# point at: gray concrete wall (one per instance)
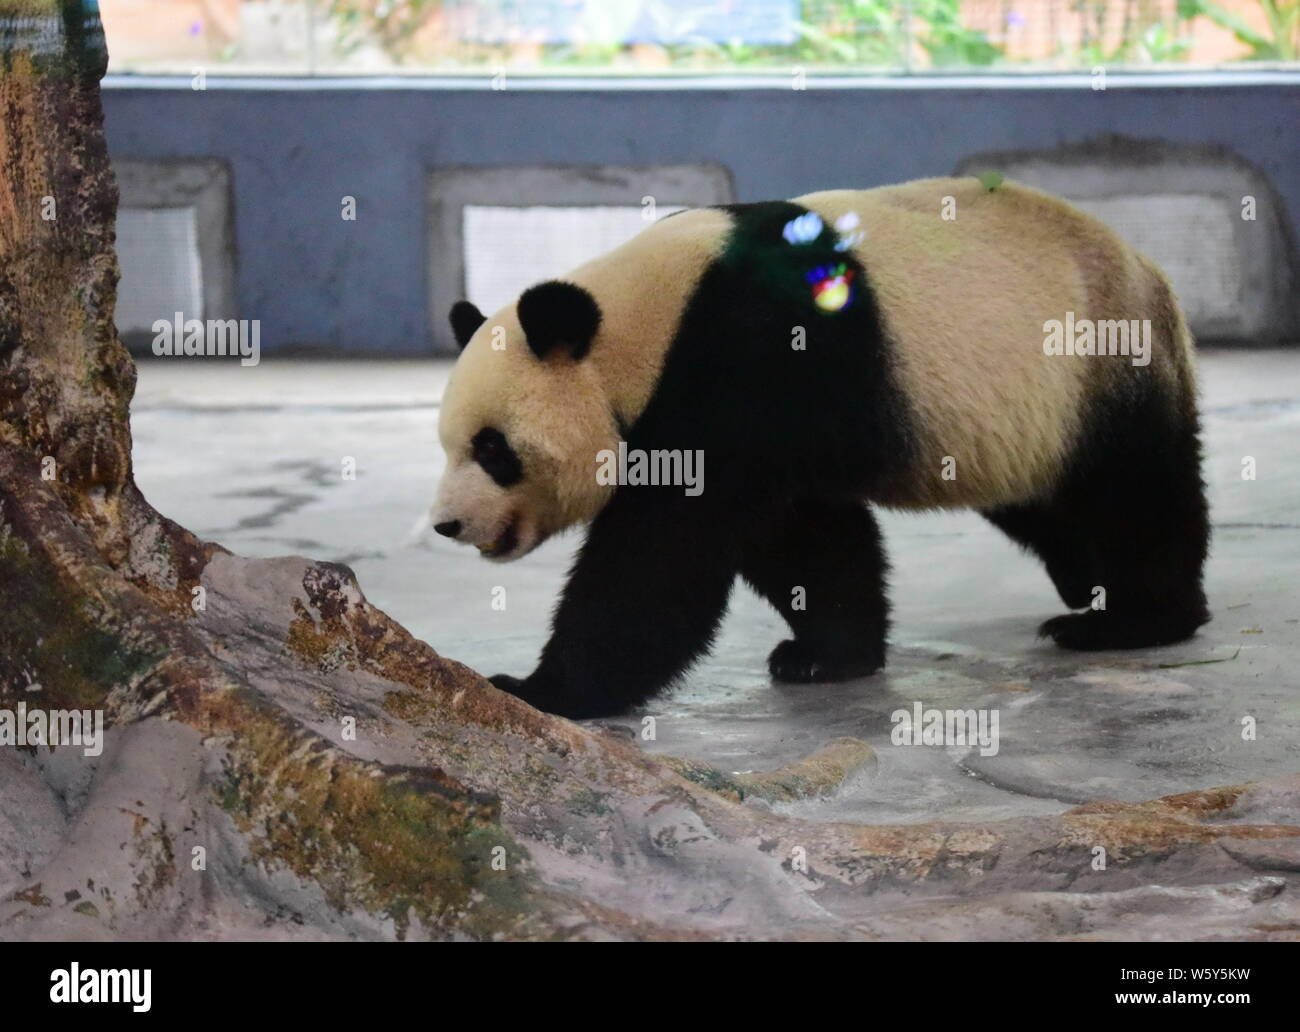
(296, 148)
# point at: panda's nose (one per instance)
(448, 528)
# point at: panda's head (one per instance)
(523, 419)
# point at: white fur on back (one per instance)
(964, 302)
(642, 288)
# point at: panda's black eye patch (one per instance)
(492, 451)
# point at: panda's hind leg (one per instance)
(820, 563)
(1135, 505)
(1045, 532)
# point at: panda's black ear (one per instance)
(558, 316)
(465, 320)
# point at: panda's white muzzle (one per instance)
(473, 509)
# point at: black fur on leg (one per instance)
(642, 603)
(1093, 631)
(1134, 502)
(773, 422)
(1041, 529)
(822, 567)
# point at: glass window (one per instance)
(665, 37)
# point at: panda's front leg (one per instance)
(822, 565)
(642, 603)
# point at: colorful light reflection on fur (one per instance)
(804, 229)
(849, 233)
(832, 287)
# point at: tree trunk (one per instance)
(283, 760)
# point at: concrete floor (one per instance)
(253, 458)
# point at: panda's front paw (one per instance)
(506, 683)
(796, 662)
(547, 694)
(526, 689)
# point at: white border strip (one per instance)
(598, 84)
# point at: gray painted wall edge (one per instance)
(318, 282)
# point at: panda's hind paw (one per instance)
(792, 661)
(796, 662)
(1092, 631)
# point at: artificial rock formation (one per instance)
(282, 760)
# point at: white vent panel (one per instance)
(1192, 237)
(509, 249)
(158, 250)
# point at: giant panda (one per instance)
(916, 346)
